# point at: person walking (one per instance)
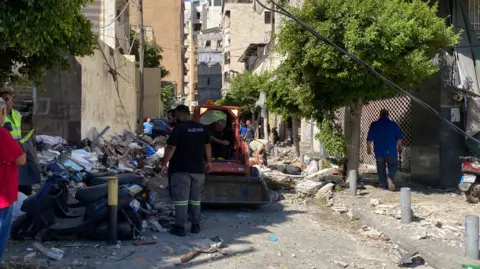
(148, 127)
(385, 137)
(11, 155)
(250, 134)
(188, 155)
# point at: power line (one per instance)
(118, 16)
(371, 69)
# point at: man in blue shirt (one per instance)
(148, 127)
(386, 138)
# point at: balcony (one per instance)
(186, 79)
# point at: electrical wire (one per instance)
(116, 18)
(371, 69)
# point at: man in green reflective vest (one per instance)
(13, 117)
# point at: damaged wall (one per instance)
(79, 104)
(105, 100)
(152, 103)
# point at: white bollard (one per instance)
(352, 181)
(405, 205)
(471, 237)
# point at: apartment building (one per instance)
(241, 26)
(209, 49)
(165, 18)
(110, 20)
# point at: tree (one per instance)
(36, 36)
(167, 95)
(152, 54)
(287, 99)
(398, 38)
(245, 90)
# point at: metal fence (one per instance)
(400, 111)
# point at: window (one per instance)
(208, 43)
(217, 3)
(198, 15)
(268, 17)
(226, 77)
(226, 57)
(208, 81)
(197, 27)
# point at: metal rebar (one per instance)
(471, 237)
(405, 205)
(352, 181)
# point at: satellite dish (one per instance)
(259, 5)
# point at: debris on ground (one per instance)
(207, 245)
(53, 253)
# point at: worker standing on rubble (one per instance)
(11, 155)
(188, 156)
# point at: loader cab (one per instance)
(214, 119)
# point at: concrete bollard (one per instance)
(275, 152)
(352, 181)
(405, 205)
(471, 237)
(113, 209)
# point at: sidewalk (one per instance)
(437, 232)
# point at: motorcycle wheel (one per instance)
(473, 194)
(21, 228)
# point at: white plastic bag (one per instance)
(17, 212)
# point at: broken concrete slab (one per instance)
(309, 187)
(325, 192)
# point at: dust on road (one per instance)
(280, 235)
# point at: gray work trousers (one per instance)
(186, 195)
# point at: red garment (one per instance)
(10, 151)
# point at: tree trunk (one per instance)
(257, 120)
(354, 123)
(296, 137)
(265, 126)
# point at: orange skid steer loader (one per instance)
(232, 181)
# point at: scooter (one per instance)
(470, 180)
(41, 218)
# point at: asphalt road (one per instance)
(281, 235)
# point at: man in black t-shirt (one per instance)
(188, 156)
(220, 140)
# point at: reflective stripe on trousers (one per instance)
(186, 195)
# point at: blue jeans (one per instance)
(384, 163)
(5, 224)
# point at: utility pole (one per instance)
(141, 50)
(191, 83)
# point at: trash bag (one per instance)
(17, 212)
(30, 173)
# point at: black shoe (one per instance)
(195, 229)
(178, 231)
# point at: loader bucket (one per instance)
(231, 190)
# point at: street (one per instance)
(285, 234)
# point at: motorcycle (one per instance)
(42, 216)
(470, 180)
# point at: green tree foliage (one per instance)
(152, 55)
(331, 136)
(245, 90)
(167, 94)
(36, 36)
(398, 38)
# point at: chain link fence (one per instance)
(400, 112)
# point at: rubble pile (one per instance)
(123, 153)
(311, 179)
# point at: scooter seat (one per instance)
(92, 194)
(123, 179)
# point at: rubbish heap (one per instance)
(310, 178)
(123, 153)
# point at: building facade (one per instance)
(241, 26)
(110, 21)
(165, 18)
(209, 49)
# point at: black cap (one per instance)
(182, 109)
(384, 113)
